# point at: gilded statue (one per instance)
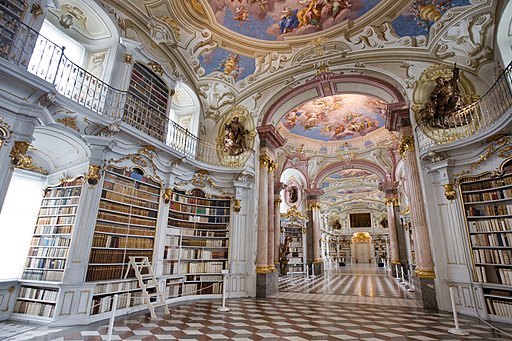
(234, 143)
(445, 100)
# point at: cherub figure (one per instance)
(242, 14)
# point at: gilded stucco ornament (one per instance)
(202, 180)
(236, 205)
(314, 207)
(235, 139)
(449, 191)
(93, 175)
(22, 161)
(70, 122)
(143, 158)
(36, 10)
(128, 58)
(156, 68)
(392, 202)
(5, 131)
(293, 212)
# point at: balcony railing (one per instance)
(28, 50)
(473, 119)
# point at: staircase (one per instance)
(151, 292)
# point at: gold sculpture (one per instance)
(449, 191)
(236, 205)
(93, 175)
(167, 195)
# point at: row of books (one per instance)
(195, 209)
(173, 290)
(492, 256)
(45, 263)
(63, 220)
(63, 192)
(104, 272)
(62, 229)
(116, 207)
(50, 241)
(173, 223)
(110, 241)
(39, 294)
(489, 210)
(180, 198)
(172, 240)
(127, 219)
(492, 239)
(103, 304)
(196, 232)
(487, 184)
(202, 289)
(183, 268)
(60, 202)
(499, 308)
(132, 174)
(488, 196)
(48, 252)
(175, 254)
(57, 210)
(196, 218)
(132, 189)
(108, 256)
(124, 230)
(204, 242)
(118, 197)
(107, 287)
(34, 308)
(204, 278)
(42, 275)
(490, 225)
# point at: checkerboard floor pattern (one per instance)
(298, 315)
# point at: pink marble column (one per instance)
(393, 236)
(272, 165)
(315, 208)
(424, 260)
(277, 226)
(262, 245)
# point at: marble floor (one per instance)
(358, 302)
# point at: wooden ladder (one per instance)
(151, 292)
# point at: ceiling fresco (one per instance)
(358, 177)
(228, 63)
(338, 117)
(277, 19)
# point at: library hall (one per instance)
(255, 170)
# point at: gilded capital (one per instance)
(392, 202)
(167, 195)
(272, 166)
(314, 207)
(278, 201)
(128, 58)
(406, 145)
(93, 175)
(236, 205)
(265, 161)
(449, 191)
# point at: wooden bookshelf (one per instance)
(146, 104)
(46, 260)
(297, 255)
(126, 223)
(487, 202)
(380, 247)
(197, 242)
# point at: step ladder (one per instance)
(151, 293)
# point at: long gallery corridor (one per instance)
(356, 302)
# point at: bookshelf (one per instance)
(297, 255)
(197, 241)
(487, 202)
(146, 104)
(11, 12)
(36, 301)
(345, 243)
(126, 223)
(49, 247)
(380, 247)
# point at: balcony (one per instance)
(492, 112)
(27, 50)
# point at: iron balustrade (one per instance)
(473, 119)
(28, 50)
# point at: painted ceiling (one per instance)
(338, 117)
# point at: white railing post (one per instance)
(224, 276)
(112, 318)
(456, 330)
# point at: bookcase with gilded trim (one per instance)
(487, 202)
(48, 251)
(125, 226)
(197, 241)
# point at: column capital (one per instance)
(406, 145)
(392, 202)
(397, 116)
(313, 207)
(270, 137)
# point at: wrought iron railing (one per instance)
(473, 119)
(26, 49)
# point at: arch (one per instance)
(349, 164)
(328, 86)
(504, 35)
